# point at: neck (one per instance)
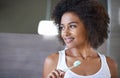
(83, 52)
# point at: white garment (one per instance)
(104, 71)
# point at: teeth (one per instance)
(68, 40)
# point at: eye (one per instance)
(61, 27)
(73, 26)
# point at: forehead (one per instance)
(69, 17)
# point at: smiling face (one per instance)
(73, 31)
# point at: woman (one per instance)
(83, 27)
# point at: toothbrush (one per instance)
(75, 64)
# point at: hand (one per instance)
(56, 74)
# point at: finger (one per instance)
(61, 73)
(51, 75)
(54, 74)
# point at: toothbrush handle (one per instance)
(69, 68)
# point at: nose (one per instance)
(66, 32)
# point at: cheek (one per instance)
(81, 34)
(61, 34)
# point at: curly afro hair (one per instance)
(93, 15)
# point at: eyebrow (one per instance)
(72, 22)
(69, 23)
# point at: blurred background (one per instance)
(22, 49)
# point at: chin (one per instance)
(69, 47)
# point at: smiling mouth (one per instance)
(69, 40)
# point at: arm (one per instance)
(50, 64)
(113, 67)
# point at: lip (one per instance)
(68, 39)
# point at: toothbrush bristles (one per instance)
(76, 63)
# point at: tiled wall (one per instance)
(23, 55)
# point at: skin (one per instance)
(74, 35)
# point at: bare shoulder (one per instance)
(50, 63)
(113, 67)
(111, 62)
(52, 58)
